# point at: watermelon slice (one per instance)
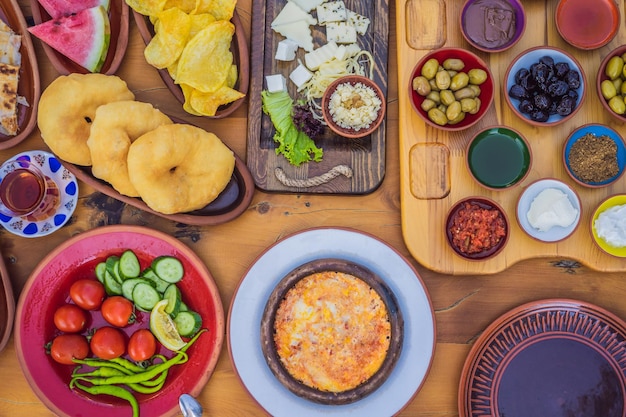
(82, 37)
(59, 8)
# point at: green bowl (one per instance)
(498, 157)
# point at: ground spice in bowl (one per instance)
(593, 159)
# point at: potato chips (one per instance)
(192, 40)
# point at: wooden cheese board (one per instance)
(349, 166)
(432, 162)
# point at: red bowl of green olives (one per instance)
(611, 83)
(451, 89)
(544, 86)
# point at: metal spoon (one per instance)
(189, 406)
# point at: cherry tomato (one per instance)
(142, 345)
(118, 311)
(87, 293)
(70, 318)
(67, 346)
(108, 343)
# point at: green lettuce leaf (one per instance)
(293, 144)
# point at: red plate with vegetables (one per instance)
(120, 319)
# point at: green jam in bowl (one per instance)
(498, 157)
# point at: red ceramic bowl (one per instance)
(587, 24)
(482, 203)
(471, 61)
(601, 76)
(48, 288)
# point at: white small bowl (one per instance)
(556, 233)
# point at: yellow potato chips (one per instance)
(147, 7)
(207, 104)
(172, 29)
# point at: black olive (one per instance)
(547, 60)
(539, 116)
(517, 92)
(573, 79)
(542, 101)
(526, 106)
(521, 73)
(573, 94)
(558, 88)
(528, 83)
(561, 68)
(541, 73)
(566, 106)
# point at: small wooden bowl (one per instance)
(119, 16)
(241, 58)
(267, 331)
(349, 132)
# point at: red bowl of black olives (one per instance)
(545, 86)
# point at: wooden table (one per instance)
(464, 305)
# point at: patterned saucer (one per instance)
(68, 186)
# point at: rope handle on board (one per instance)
(313, 181)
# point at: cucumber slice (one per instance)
(145, 296)
(129, 265)
(150, 275)
(188, 323)
(100, 270)
(173, 297)
(168, 268)
(129, 285)
(183, 306)
(111, 286)
(110, 264)
(116, 272)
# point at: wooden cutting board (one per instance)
(364, 157)
(433, 172)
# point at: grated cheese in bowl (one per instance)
(354, 106)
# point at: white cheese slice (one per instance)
(300, 75)
(290, 13)
(360, 22)
(286, 50)
(332, 11)
(299, 32)
(321, 55)
(275, 83)
(340, 32)
(308, 5)
(352, 49)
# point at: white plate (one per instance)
(555, 233)
(246, 311)
(68, 187)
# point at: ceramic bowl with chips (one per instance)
(329, 269)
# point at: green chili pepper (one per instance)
(130, 365)
(113, 390)
(97, 363)
(102, 371)
(145, 388)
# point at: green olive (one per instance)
(434, 96)
(442, 78)
(464, 93)
(622, 88)
(454, 64)
(433, 85)
(458, 119)
(447, 97)
(437, 117)
(617, 105)
(477, 108)
(608, 89)
(453, 111)
(618, 84)
(468, 105)
(428, 104)
(477, 76)
(421, 85)
(614, 68)
(430, 68)
(460, 80)
(475, 89)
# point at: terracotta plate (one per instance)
(255, 288)
(241, 58)
(119, 16)
(7, 305)
(29, 85)
(553, 357)
(230, 204)
(48, 287)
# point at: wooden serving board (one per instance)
(365, 157)
(433, 172)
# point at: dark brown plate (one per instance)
(364, 156)
(269, 315)
(7, 305)
(230, 204)
(29, 85)
(241, 58)
(552, 357)
(119, 16)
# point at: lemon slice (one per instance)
(163, 328)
